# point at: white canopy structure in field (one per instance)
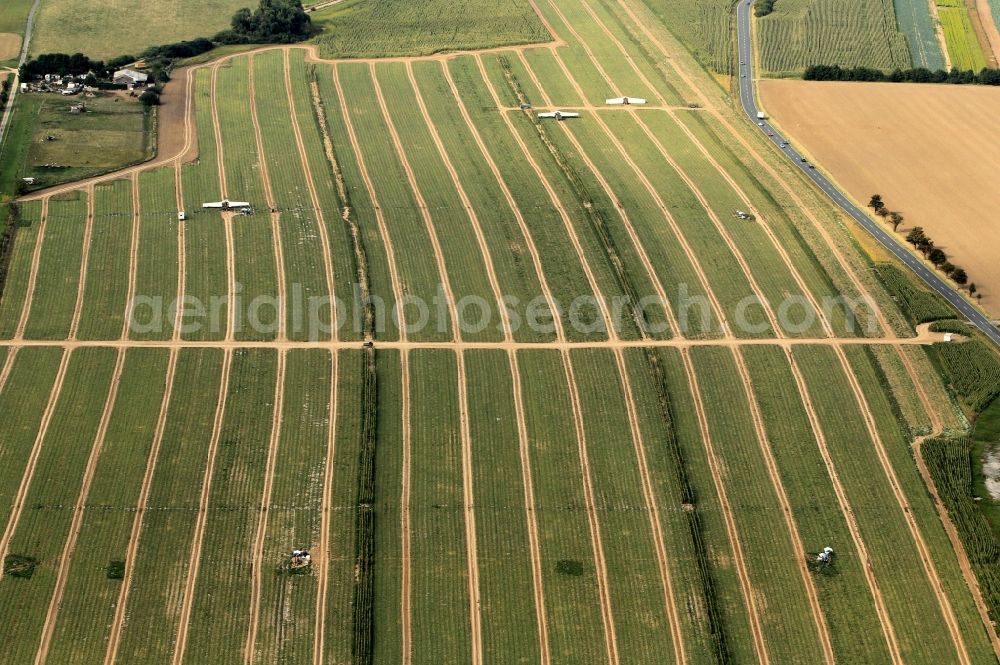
(559, 115)
(625, 100)
(226, 205)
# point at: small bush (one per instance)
(19, 565)
(570, 567)
(116, 570)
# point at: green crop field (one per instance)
(916, 22)
(959, 36)
(525, 390)
(800, 33)
(357, 29)
(102, 30)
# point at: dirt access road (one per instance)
(929, 150)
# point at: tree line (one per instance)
(985, 76)
(921, 241)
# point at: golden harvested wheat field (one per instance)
(10, 45)
(931, 151)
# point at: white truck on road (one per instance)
(761, 115)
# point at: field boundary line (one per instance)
(8, 365)
(29, 472)
(956, 542)
(257, 563)
(847, 266)
(199, 533)
(944, 604)
(888, 630)
(647, 342)
(179, 197)
(652, 508)
(472, 563)
(279, 254)
(320, 219)
(406, 637)
(470, 211)
(524, 451)
(723, 232)
(511, 202)
(117, 623)
(227, 218)
(939, 33)
(604, 593)
(421, 203)
(373, 196)
(36, 259)
(133, 261)
(81, 287)
(557, 204)
(794, 537)
(323, 555)
(746, 587)
(69, 547)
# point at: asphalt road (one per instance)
(16, 85)
(886, 239)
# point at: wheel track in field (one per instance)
(69, 547)
(527, 478)
(257, 561)
(322, 553)
(523, 441)
(279, 254)
(786, 508)
(818, 226)
(652, 507)
(746, 587)
(17, 505)
(603, 590)
(189, 133)
(8, 365)
(118, 622)
(227, 217)
(926, 561)
(556, 203)
(888, 630)
(406, 637)
(180, 643)
(320, 219)
(36, 259)
(968, 574)
(133, 257)
(81, 286)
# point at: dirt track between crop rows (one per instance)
(934, 161)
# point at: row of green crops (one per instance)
(959, 35)
(972, 369)
(108, 262)
(916, 22)
(393, 28)
(918, 304)
(953, 466)
(800, 33)
(18, 269)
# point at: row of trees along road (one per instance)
(920, 240)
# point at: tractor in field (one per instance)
(822, 561)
